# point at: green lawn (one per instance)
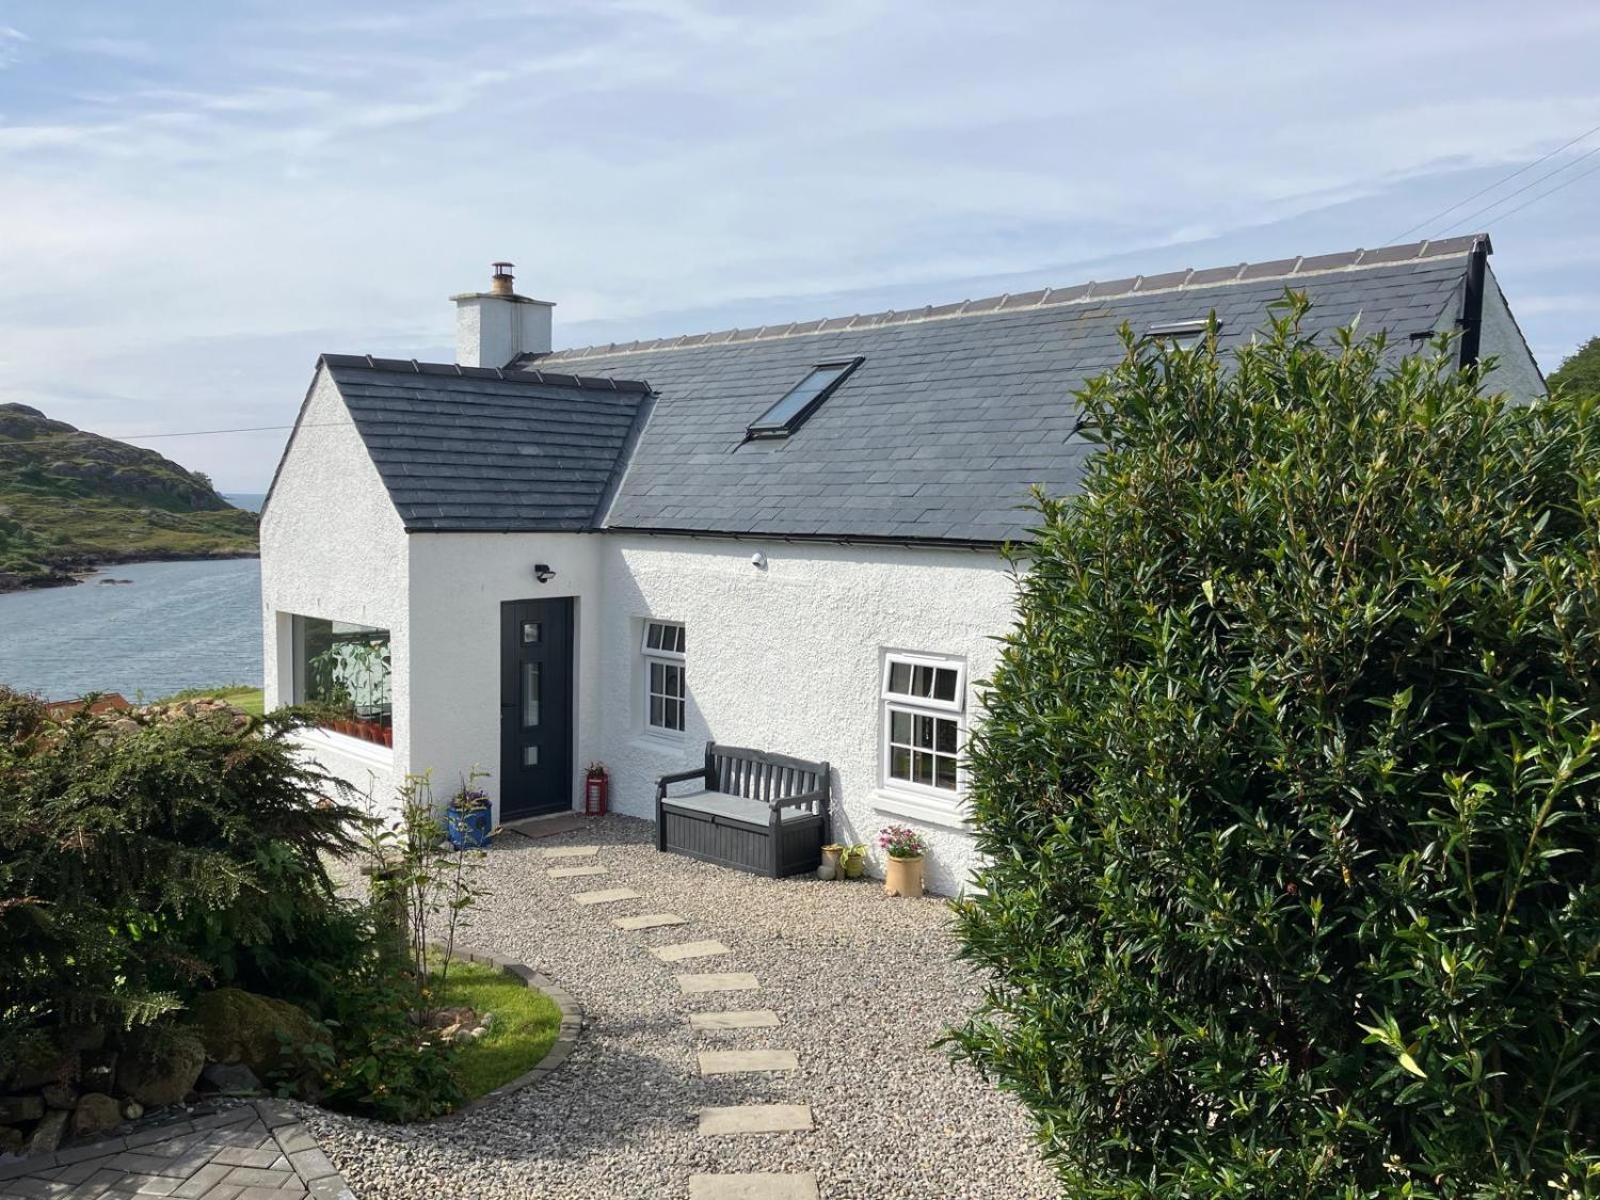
(525, 1026)
(249, 699)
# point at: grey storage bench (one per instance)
(760, 812)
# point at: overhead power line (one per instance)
(1468, 220)
(1504, 179)
(1565, 183)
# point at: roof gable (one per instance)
(466, 448)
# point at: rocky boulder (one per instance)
(159, 1065)
(237, 1026)
(96, 1113)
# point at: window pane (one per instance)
(674, 677)
(652, 637)
(803, 393)
(900, 764)
(530, 695)
(677, 638)
(674, 713)
(944, 684)
(530, 756)
(532, 633)
(900, 678)
(922, 769)
(658, 677)
(924, 733)
(899, 727)
(344, 666)
(945, 773)
(658, 712)
(922, 681)
(947, 732)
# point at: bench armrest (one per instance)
(821, 794)
(680, 777)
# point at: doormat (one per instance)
(539, 827)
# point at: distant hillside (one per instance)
(71, 500)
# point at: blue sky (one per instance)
(197, 198)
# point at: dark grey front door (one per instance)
(535, 707)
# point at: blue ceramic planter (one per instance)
(468, 830)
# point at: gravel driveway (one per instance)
(862, 984)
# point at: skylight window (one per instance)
(788, 414)
(1185, 335)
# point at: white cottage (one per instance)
(785, 538)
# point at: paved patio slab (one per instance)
(755, 1118)
(254, 1150)
(608, 896)
(747, 1062)
(734, 981)
(754, 1018)
(649, 921)
(753, 1187)
(571, 852)
(679, 951)
(574, 872)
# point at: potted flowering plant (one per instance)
(468, 821)
(905, 848)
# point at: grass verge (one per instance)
(525, 1025)
(248, 699)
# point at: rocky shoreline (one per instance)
(80, 568)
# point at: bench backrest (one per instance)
(759, 775)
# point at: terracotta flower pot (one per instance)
(903, 877)
(830, 862)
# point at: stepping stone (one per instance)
(607, 896)
(758, 1018)
(743, 1062)
(573, 872)
(571, 852)
(738, 981)
(679, 951)
(755, 1118)
(649, 921)
(753, 1187)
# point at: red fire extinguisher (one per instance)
(596, 786)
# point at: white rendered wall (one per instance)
(458, 582)
(786, 657)
(333, 546)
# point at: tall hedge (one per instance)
(1288, 777)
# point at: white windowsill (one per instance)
(930, 810)
(661, 743)
(350, 747)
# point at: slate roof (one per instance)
(473, 448)
(956, 411)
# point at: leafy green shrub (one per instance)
(142, 858)
(1288, 775)
(382, 1064)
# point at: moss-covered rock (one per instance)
(159, 1065)
(237, 1026)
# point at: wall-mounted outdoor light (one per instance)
(543, 572)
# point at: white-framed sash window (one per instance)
(924, 724)
(665, 691)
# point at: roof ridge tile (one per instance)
(1297, 267)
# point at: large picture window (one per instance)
(664, 687)
(344, 669)
(924, 699)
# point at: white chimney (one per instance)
(495, 327)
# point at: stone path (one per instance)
(727, 1120)
(256, 1151)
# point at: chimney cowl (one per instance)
(502, 282)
